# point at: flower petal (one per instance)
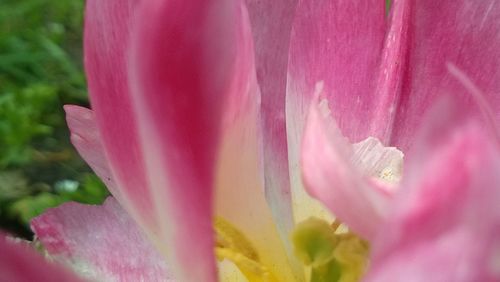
(87, 141)
(335, 44)
(240, 197)
(100, 242)
(446, 224)
(106, 38)
(187, 86)
(338, 43)
(20, 264)
(391, 72)
(330, 174)
(459, 32)
(271, 22)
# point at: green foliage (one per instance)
(40, 71)
(91, 192)
(25, 115)
(387, 6)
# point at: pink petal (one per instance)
(188, 81)
(330, 177)
(335, 45)
(338, 43)
(445, 225)
(18, 263)
(271, 22)
(101, 242)
(87, 141)
(440, 32)
(391, 72)
(107, 28)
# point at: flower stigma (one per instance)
(330, 252)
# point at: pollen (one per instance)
(388, 174)
(232, 245)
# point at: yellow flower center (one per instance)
(329, 252)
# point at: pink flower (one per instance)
(188, 122)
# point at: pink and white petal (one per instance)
(100, 242)
(459, 32)
(271, 22)
(330, 175)
(19, 263)
(106, 41)
(187, 84)
(239, 195)
(87, 141)
(446, 223)
(336, 46)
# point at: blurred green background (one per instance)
(40, 71)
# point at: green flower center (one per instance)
(330, 252)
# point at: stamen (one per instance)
(231, 244)
(229, 237)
